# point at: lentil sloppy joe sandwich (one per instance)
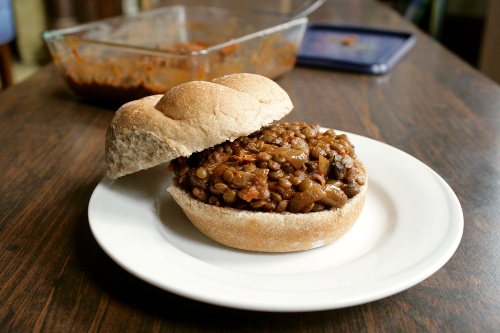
(241, 180)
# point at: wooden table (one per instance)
(55, 278)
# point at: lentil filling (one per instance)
(290, 167)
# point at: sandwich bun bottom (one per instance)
(270, 232)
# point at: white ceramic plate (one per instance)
(411, 225)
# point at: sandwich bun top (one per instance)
(189, 118)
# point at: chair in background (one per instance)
(434, 8)
(7, 34)
(428, 14)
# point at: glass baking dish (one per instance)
(128, 57)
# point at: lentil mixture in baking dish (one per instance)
(290, 167)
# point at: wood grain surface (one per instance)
(55, 278)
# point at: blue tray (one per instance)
(353, 48)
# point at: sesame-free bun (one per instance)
(189, 118)
(198, 115)
(271, 232)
